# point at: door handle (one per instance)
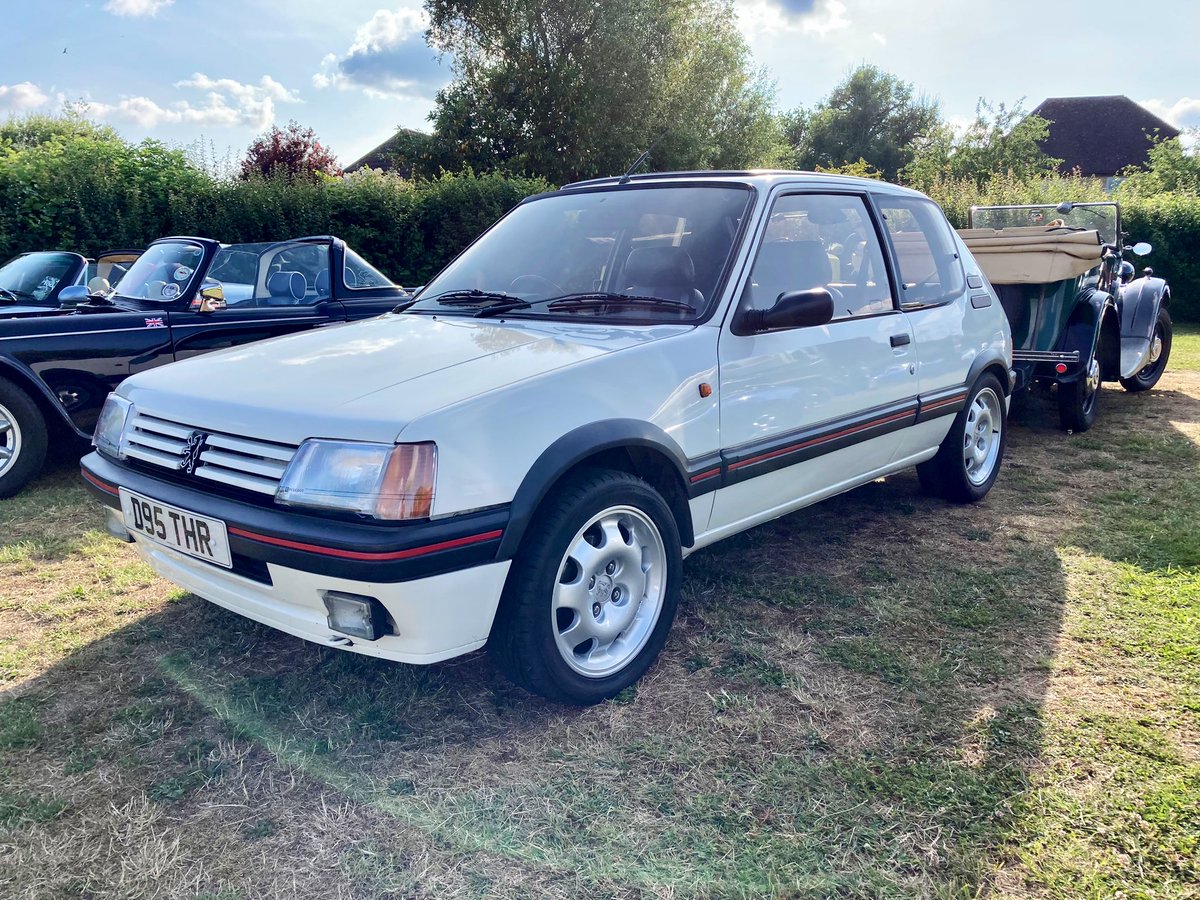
(899, 340)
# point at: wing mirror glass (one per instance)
(1141, 248)
(792, 309)
(1065, 207)
(212, 298)
(72, 296)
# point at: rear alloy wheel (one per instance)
(1077, 400)
(1160, 352)
(23, 439)
(968, 461)
(593, 591)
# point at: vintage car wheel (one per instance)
(593, 591)
(23, 439)
(1160, 352)
(968, 461)
(1078, 400)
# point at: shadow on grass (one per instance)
(852, 702)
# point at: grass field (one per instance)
(881, 696)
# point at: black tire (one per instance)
(23, 439)
(1079, 400)
(947, 474)
(1149, 375)
(529, 630)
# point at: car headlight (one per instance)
(384, 481)
(110, 427)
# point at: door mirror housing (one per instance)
(72, 296)
(792, 309)
(211, 298)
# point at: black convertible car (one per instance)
(67, 338)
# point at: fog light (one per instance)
(1061, 368)
(115, 525)
(355, 615)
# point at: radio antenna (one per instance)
(641, 159)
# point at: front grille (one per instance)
(227, 459)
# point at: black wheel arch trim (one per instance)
(575, 447)
(992, 360)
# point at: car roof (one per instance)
(759, 178)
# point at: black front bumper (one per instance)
(380, 553)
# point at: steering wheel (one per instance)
(839, 299)
(539, 284)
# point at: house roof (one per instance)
(380, 157)
(1100, 135)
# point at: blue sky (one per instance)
(221, 71)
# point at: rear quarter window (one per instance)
(927, 257)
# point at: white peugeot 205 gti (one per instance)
(613, 375)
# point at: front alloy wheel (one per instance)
(593, 590)
(23, 439)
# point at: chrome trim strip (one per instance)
(1045, 356)
(26, 337)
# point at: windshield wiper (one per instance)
(13, 294)
(601, 299)
(497, 309)
(472, 297)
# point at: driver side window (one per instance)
(821, 241)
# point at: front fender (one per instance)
(1141, 301)
(571, 449)
(25, 378)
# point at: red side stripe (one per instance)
(820, 440)
(709, 474)
(937, 404)
(385, 556)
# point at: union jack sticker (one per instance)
(156, 322)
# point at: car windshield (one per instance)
(648, 253)
(163, 272)
(292, 273)
(32, 278)
(1101, 217)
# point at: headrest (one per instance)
(349, 277)
(322, 283)
(99, 285)
(287, 284)
(799, 264)
(660, 266)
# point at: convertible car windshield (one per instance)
(641, 252)
(1101, 217)
(163, 272)
(32, 278)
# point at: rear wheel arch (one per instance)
(57, 421)
(624, 445)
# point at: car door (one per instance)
(808, 411)
(933, 293)
(269, 289)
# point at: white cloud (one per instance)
(881, 39)
(1183, 113)
(817, 17)
(21, 97)
(136, 8)
(388, 58)
(228, 104)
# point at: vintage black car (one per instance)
(32, 283)
(64, 346)
(1078, 316)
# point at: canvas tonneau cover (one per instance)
(1032, 254)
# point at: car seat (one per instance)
(666, 272)
(322, 283)
(285, 289)
(784, 266)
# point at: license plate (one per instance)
(197, 536)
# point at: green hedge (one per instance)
(70, 185)
(88, 192)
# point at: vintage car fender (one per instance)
(26, 379)
(1093, 329)
(1140, 301)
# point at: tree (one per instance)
(578, 89)
(1171, 169)
(1001, 139)
(293, 152)
(870, 116)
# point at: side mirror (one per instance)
(72, 296)
(1141, 248)
(1065, 207)
(792, 309)
(211, 298)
